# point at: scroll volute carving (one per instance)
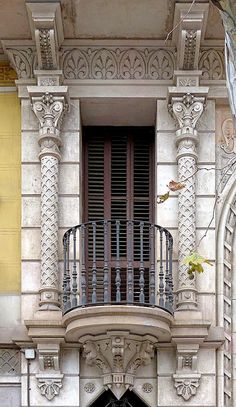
(118, 357)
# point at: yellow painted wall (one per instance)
(10, 193)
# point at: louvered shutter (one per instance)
(118, 185)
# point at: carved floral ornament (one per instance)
(112, 62)
(118, 357)
(50, 378)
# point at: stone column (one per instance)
(186, 109)
(49, 109)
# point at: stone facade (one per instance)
(177, 86)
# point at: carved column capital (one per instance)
(49, 110)
(187, 109)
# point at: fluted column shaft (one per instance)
(187, 110)
(49, 109)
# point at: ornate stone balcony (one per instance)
(118, 274)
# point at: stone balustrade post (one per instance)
(49, 109)
(186, 109)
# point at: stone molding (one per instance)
(49, 109)
(186, 378)
(186, 109)
(118, 356)
(228, 281)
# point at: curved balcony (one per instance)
(117, 262)
(118, 275)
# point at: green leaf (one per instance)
(163, 198)
(195, 262)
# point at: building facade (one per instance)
(118, 155)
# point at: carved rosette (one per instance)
(118, 357)
(49, 110)
(186, 110)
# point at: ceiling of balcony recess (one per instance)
(98, 19)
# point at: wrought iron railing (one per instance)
(117, 262)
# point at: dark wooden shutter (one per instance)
(118, 185)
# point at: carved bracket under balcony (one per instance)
(118, 355)
(50, 378)
(187, 378)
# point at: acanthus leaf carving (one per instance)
(118, 358)
(23, 61)
(118, 63)
(211, 63)
(49, 387)
(186, 387)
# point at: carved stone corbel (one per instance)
(50, 378)
(118, 358)
(187, 378)
(186, 109)
(47, 31)
(187, 37)
(49, 108)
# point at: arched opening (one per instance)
(129, 399)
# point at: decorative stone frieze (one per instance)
(22, 58)
(47, 31)
(118, 356)
(49, 379)
(187, 110)
(118, 63)
(211, 63)
(186, 378)
(49, 108)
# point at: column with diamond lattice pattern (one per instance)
(186, 109)
(49, 109)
